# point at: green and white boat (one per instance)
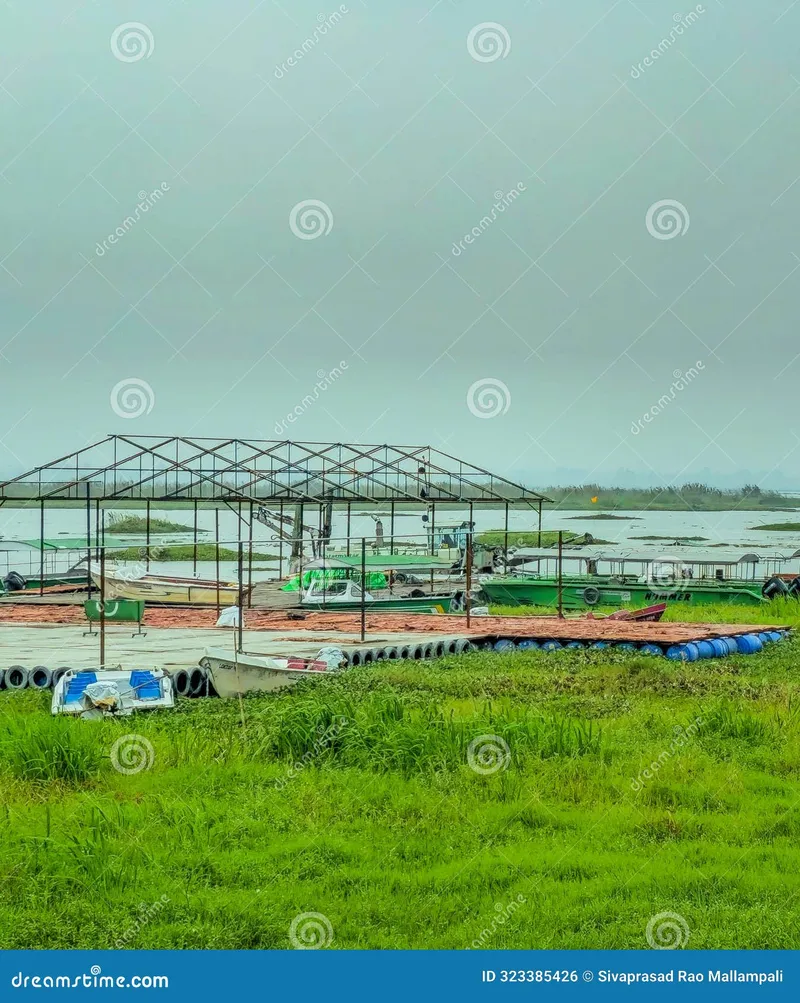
(585, 591)
(347, 596)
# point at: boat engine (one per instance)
(14, 582)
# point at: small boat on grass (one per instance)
(234, 673)
(121, 584)
(111, 692)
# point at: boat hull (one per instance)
(237, 674)
(396, 604)
(177, 591)
(586, 593)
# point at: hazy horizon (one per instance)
(554, 240)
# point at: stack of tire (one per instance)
(18, 677)
(193, 683)
(775, 588)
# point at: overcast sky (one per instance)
(316, 188)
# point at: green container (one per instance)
(124, 610)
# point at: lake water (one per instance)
(732, 528)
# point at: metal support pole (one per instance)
(102, 608)
(41, 546)
(391, 532)
(216, 550)
(348, 529)
(97, 526)
(240, 624)
(560, 575)
(468, 593)
(539, 541)
(194, 548)
(147, 531)
(505, 545)
(433, 528)
(363, 588)
(250, 560)
(280, 545)
(88, 542)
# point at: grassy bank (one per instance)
(497, 537)
(780, 527)
(686, 498)
(353, 797)
(119, 524)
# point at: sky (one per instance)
(557, 239)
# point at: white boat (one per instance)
(120, 584)
(111, 692)
(234, 673)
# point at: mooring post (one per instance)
(363, 587)
(280, 544)
(147, 532)
(539, 540)
(348, 529)
(250, 560)
(88, 542)
(391, 532)
(505, 546)
(194, 545)
(560, 575)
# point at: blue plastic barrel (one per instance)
(705, 649)
(719, 646)
(551, 645)
(528, 645)
(683, 652)
(730, 644)
(504, 644)
(765, 637)
(776, 635)
(574, 644)
(625, 646)
(748, 644)
(650, 649)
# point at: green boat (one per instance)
(583, 592)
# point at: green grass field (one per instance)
(353, 797)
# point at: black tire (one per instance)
(462, 646)
(59, 673)
(40, 678)
(591, 595)
(416, 652)
(2, 679)
(356, 657)
(367, 656)
(794, 588)
(440, 649)
(180, 683)
(198, 682)
(429, 650)
(379, 654)
(14, 582)
(417, 594)
(400, 578)
(391, 654)
(16, 677)
(405, 651)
